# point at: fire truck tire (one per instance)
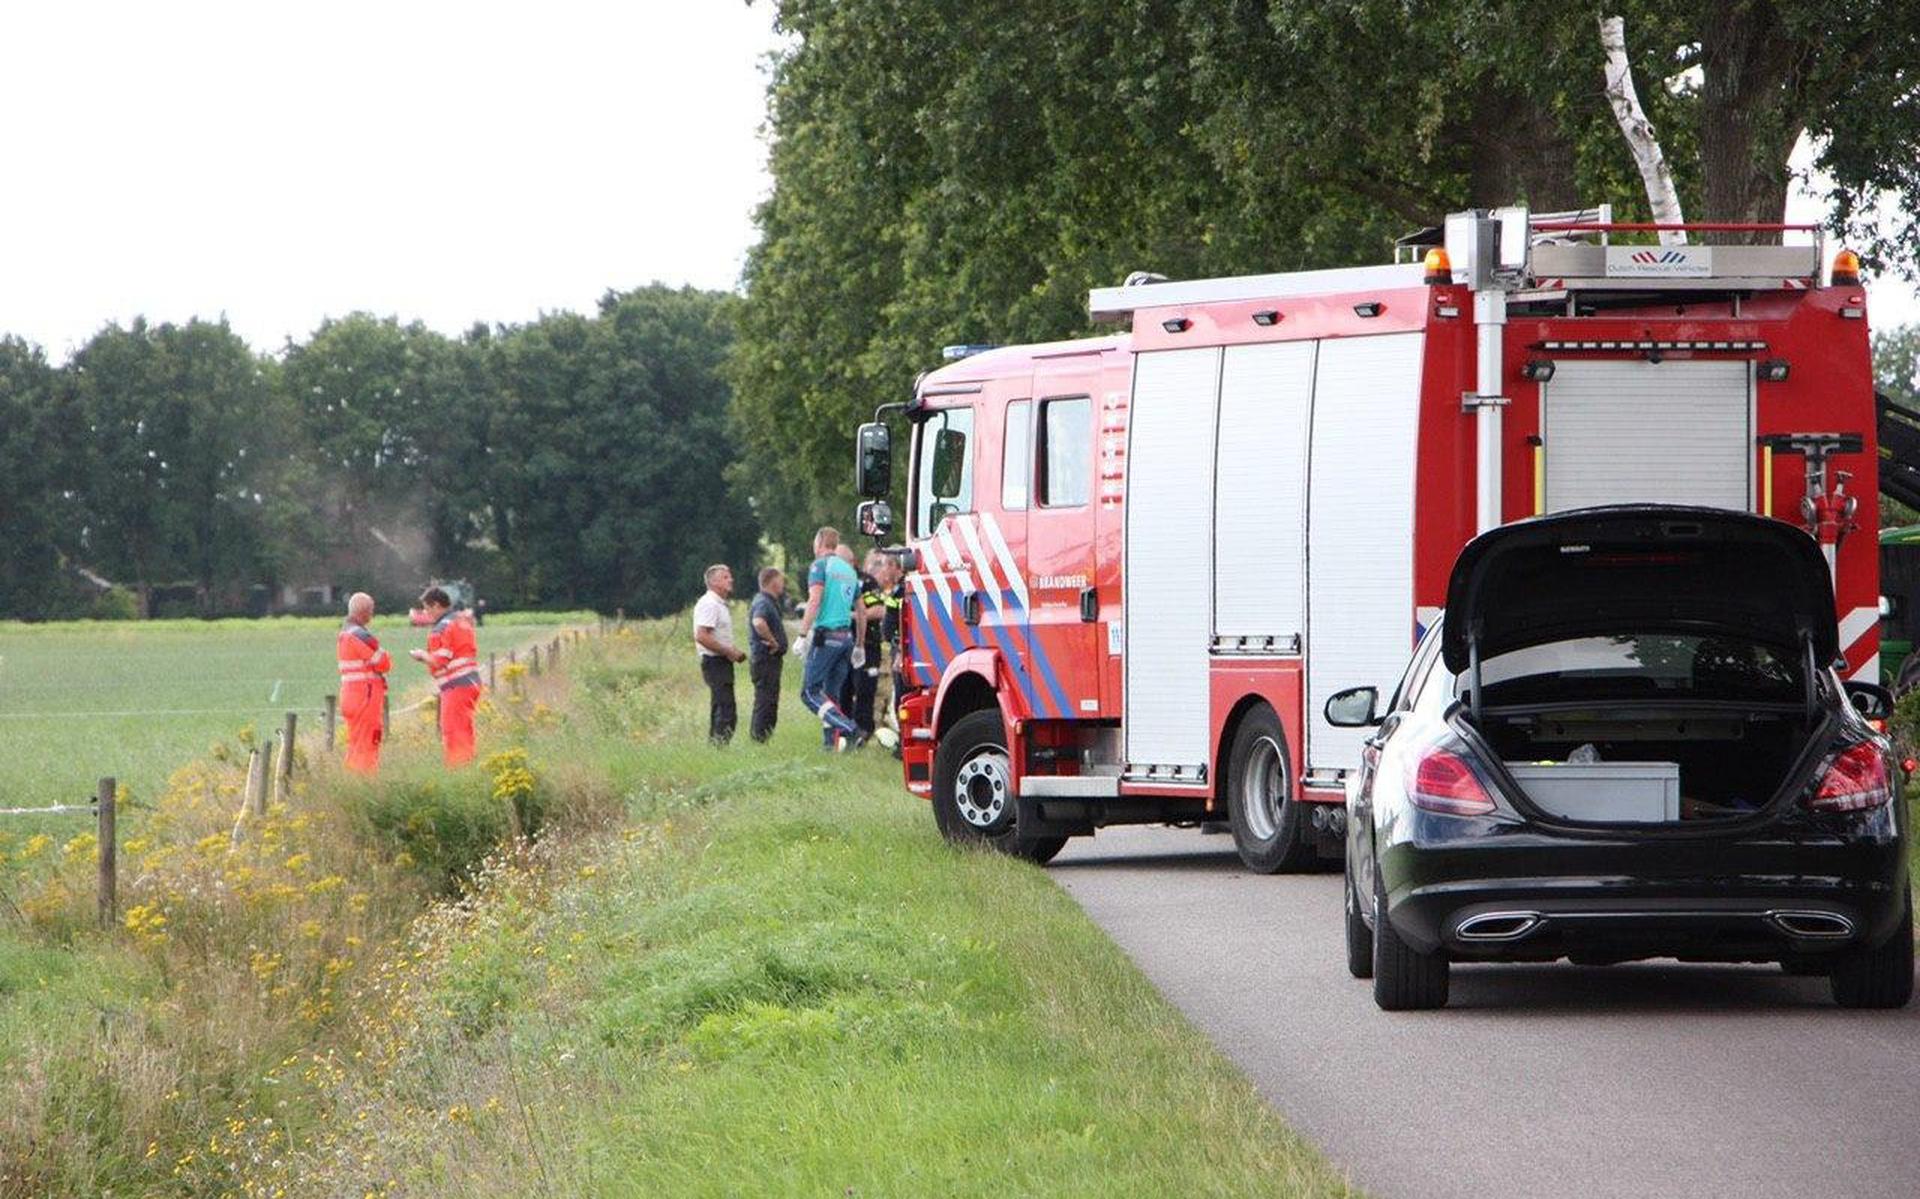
(1268, 823)
(973, 790)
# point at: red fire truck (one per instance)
(1139, 564)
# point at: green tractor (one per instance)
(1899, 606)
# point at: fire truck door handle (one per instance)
(1089, 605)
(970, 607)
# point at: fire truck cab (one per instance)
(1139, 564)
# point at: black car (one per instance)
(1627, 739)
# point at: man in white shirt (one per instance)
(713, 637)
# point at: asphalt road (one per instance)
(1644, 1079)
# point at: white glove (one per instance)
(800, 647)
(859, 656)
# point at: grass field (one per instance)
(750, 970)
(136, 699)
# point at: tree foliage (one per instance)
(962, 173)
(576, 460)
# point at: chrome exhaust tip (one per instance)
(1497, 926)
(1821, 925)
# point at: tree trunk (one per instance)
(1663, 199)
(1749, 113)
(1518, 152)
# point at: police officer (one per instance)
(873, 607)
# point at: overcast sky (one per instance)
(451, 162)
(279, 162)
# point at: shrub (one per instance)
(444, 825)
(115, 603)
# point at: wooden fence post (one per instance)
(533, 656)
(253, 775)
(492, 662)
(263, 767)
(553, 654)
(286, 758)
(332, 714)
(109, 882)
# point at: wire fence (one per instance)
(269, 767)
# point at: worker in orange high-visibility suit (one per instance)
(363, 685)
(452, 656)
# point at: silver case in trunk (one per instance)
(1610, 792)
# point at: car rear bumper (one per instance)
(1762, 903)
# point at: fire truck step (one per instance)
(1070, 786)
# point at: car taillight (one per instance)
(1443, 782)
(1855, 780)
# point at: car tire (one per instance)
(973, 801)
(1404, 979)
(1268, 822)
(1359, 936)
(1881, 977)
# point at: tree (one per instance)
(216, 393)
(131, 518)
(170, 418)
(965, 174)
(609, 449)
(34, 509)
(383, 407)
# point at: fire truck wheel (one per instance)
(973, 790)
(1267, 821)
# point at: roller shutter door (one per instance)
(1360, 622)
(1635, 431)
(1260, 498)
(1169, 579)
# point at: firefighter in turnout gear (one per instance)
(452, 656)
(363, 685)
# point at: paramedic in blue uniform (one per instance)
(829, 630)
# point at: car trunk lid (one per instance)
(1596, 571)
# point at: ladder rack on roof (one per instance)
(1564, 251)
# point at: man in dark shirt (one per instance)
(766, 651)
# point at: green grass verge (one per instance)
(763, 974)
(802, 991)
(781, 981)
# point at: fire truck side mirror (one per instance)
(875, 518)
(873, 461)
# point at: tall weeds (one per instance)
(262, 955)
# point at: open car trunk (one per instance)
(1647, 764)
(1643, 664)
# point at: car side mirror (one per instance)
(873, 461)
(1353, 708)
(1871, 700)
(937, 513)
(874, 518)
